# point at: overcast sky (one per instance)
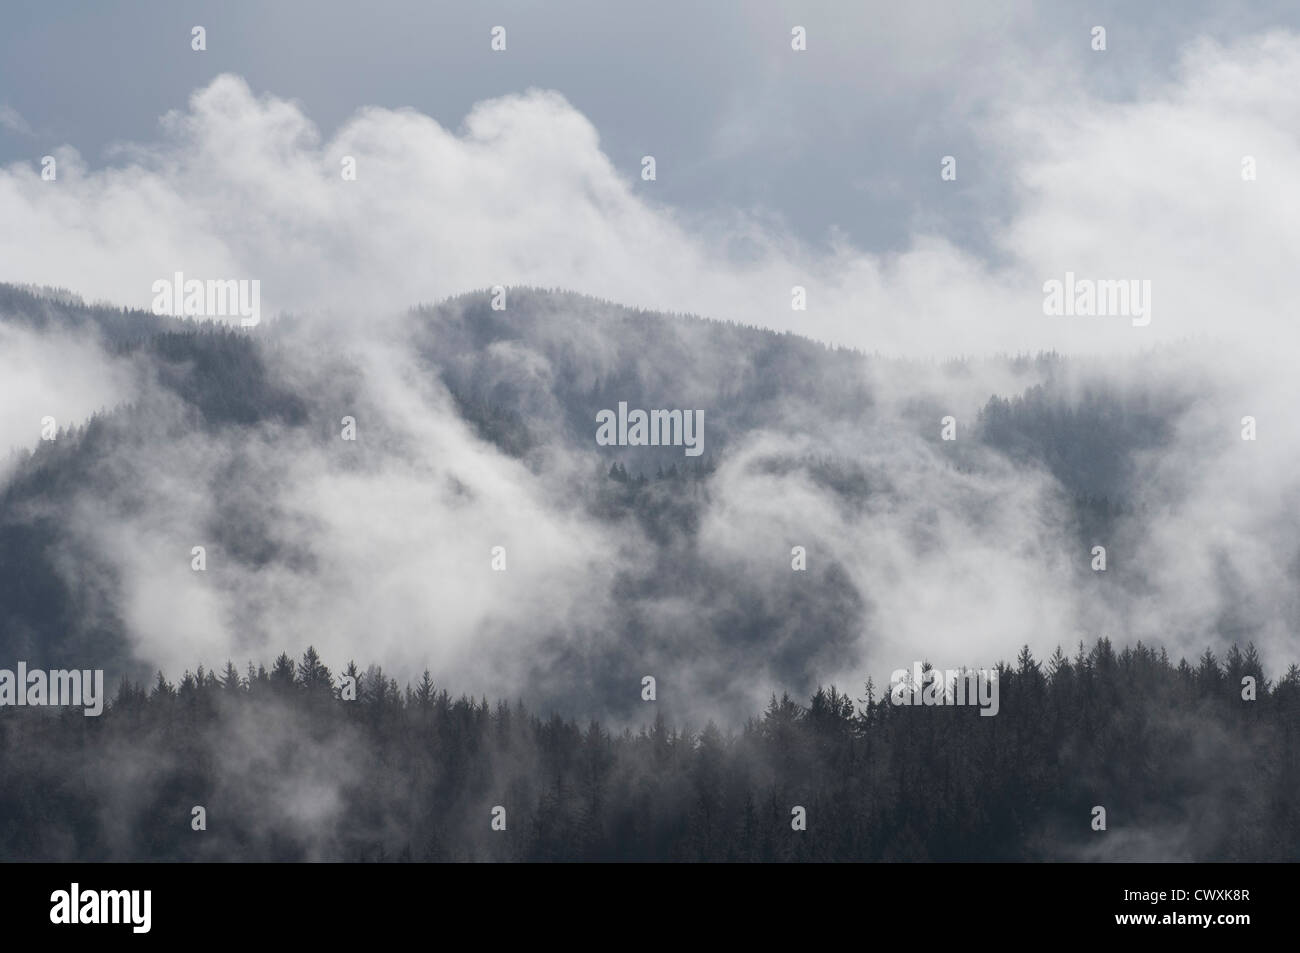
(775, 167)
(846, 136)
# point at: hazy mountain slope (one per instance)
(476, 428)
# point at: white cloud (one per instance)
(60, 375)
(241, 186)
(12, 120)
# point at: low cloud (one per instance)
(240, 185)
(960, 557)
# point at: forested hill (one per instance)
(425, 491)
(477, 428)
(285, 769)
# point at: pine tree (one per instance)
(230, 680)
(282, 673)
(313, 676)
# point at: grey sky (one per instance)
(847, 135)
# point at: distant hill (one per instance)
(226, 416)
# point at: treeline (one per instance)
(288, 765)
